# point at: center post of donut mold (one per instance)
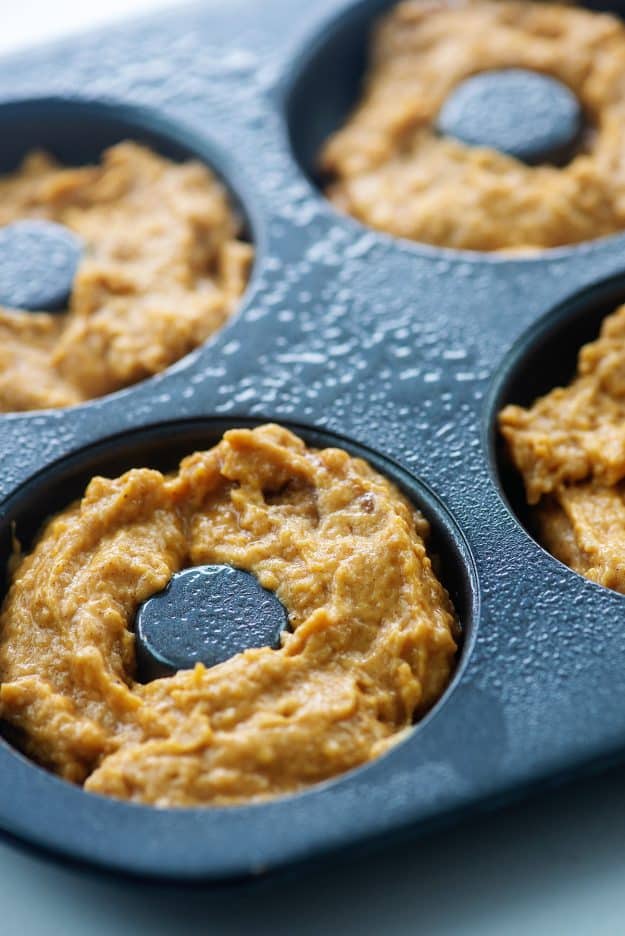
(207, 614)
(523, 113)
(38, 263)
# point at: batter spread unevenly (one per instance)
(570, 448)
(163, 271)
(371, 642)
(390, 168)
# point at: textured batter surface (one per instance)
(163, 270)
(570, 448)
(390, 169)
(371, 645)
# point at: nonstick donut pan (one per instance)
(399, 352)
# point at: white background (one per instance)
(555, 864)
(27, 22)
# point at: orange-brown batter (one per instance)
(390, 168)
(163, 270)
(371, 642)
(570, 448)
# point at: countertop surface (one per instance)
(554, 864)
(551, 864)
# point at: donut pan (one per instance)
(397, 351)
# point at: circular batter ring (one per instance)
(371, 639)
(390, 168)
(163, 269)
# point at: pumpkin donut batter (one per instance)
(390, 168)
(371, 642)
(163, 270)
(570, 449)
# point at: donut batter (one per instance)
(390, 168)
(163, 270)
(570, 449)
(371, 645)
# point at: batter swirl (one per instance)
(163, 270)
(371, 643)
(390, 168)
(569, 447)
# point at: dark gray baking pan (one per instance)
(401, 352)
